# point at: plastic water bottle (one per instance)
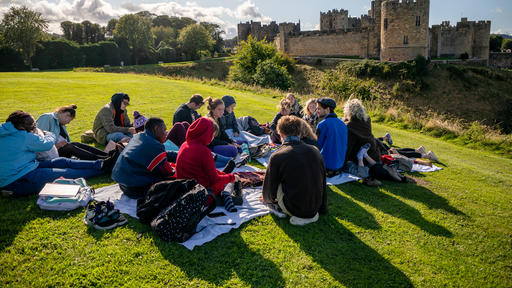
(245, 149)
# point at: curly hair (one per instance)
(305, 110)
(354, 109)
(285, 104)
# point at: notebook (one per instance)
(59, 190)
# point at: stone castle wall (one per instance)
(500, 60)
(351, 43)
(403, 35)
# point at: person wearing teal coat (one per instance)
(20, 173)
(55, 122)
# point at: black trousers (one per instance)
(409, 152)
(81, 151)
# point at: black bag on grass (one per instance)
(178, 222)
(160, 196)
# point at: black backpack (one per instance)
(178, 222)
(160, 196)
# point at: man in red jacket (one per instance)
(195, 161)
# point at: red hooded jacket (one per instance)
(195, 160)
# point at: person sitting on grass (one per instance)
(55, 122)
(310, 115)
(285, 108)
(332, 137)
(363, 150)
(195, 161)
(296, 108)
(144, 161)
(187, 112)
(221, 144)
(112, 122)
(295, 176)
(20, 173)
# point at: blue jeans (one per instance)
(221, 161)
(118, 136)
(49, 170)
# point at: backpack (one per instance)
(260, 151)
(254, 127)
(67, 203)
(160, 196)
(178, 222)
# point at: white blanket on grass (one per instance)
(345, 177)
(209, 228)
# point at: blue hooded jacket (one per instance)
(332, 141)
(18, 152)
(50, 122)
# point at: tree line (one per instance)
(140, 38)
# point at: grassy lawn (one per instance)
(450, 228)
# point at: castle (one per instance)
(392, 30)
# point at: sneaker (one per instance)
(103, 216)
(6, 193)
(108, 163)
(362, 152)
(371, 182)
(393, 173)
(432, 156)
(388, 139)
(276, 210)
(421, 150)
(229, 167)
(242, 160)
(294, 220)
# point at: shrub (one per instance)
(341, 86)
(55, 54)
(166, 54)
(464, 56)
(11, 60)
(270, 74)
(91, 55)
(109, 53)
(257, 56)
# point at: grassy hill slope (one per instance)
(449, 228)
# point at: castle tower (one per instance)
(244, 29)
(481, 36)
(404, 29)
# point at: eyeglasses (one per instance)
(126, 103)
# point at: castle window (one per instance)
(418, 21)
(406, 39)
(385, 23)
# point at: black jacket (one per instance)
(185, 114)
(300, 169)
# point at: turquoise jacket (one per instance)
(49, 122)
(18, 152)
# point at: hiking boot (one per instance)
(237, 194)
(371, 182)
(230, 166)
(388, 139)
(421, 150)
(294, 220)
(432, 156)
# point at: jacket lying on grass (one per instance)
(18, 153)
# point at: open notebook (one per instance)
(59, 190)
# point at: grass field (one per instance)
(451, 228)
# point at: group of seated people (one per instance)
(315, 144)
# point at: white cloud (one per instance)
(100, 11)
(309, 26)
(498, 10)
(507, 31)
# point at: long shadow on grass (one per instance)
(216, 261)
(17, 212)
(392, 206)
(425, 196)
(346, 209)
(344, 256)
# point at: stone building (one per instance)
(393, 30)
(267, 32)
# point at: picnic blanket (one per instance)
(345, 177)
(209, 228)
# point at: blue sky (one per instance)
(228, 13)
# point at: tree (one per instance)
(507, 44)
(162, 20)
(77, 33)
(495, 43)
(215, 32)
(179, 23)
(137, 32)
(67, 29)
(162, 33)
(111, 26)
(195, 38)
(22, 28)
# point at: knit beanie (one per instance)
(138, 120)
(228, 100)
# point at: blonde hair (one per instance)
(285, 104)
(354, 109)
(305, 110)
